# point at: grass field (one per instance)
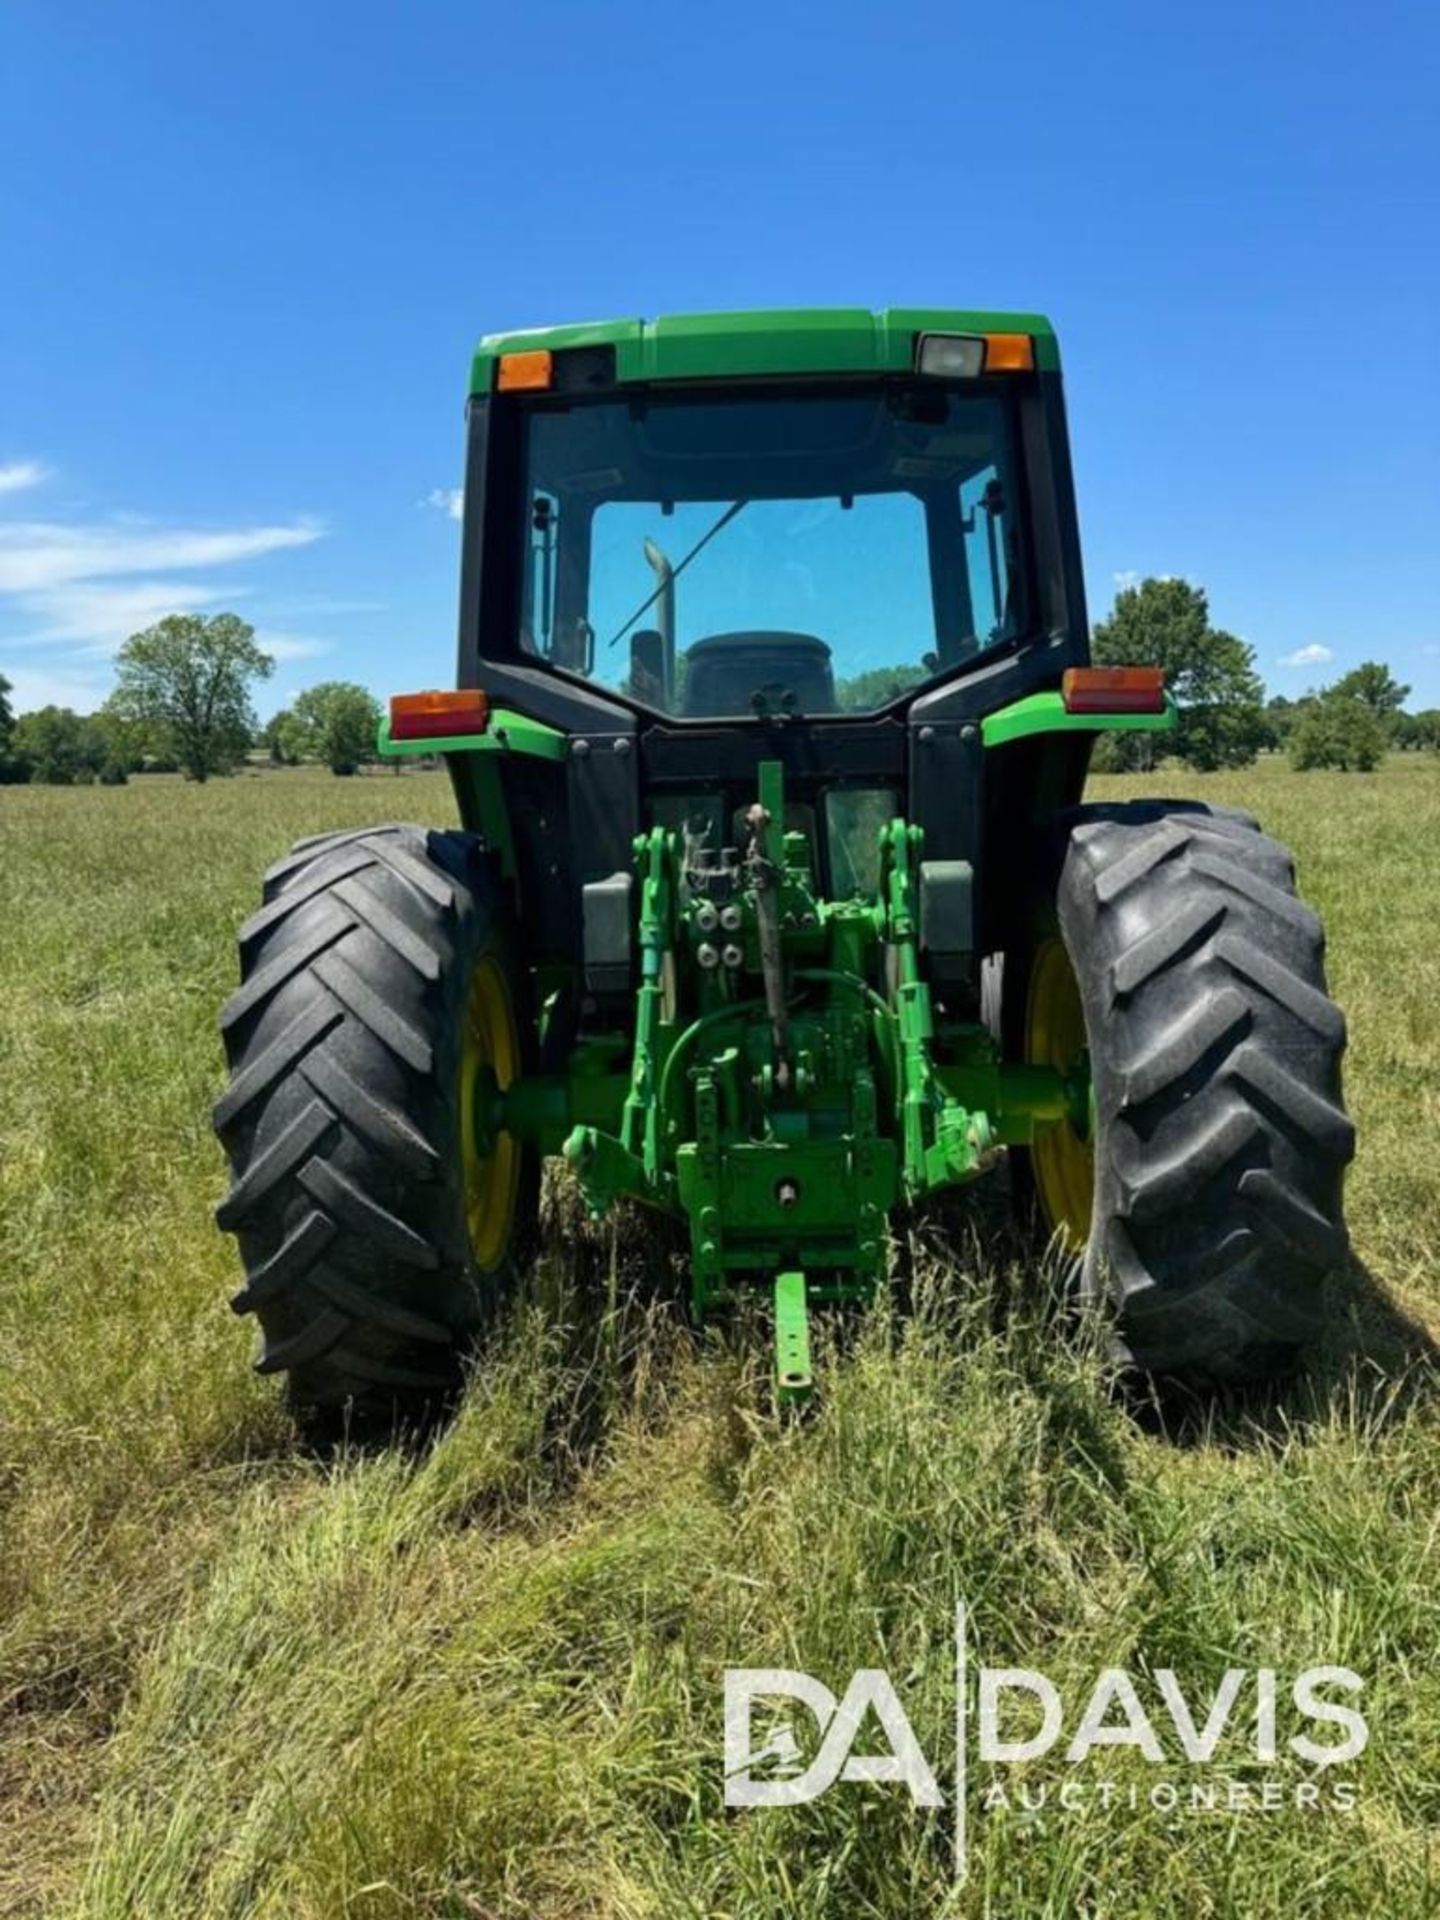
(238, 1679)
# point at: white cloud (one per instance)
(20, 474)
(72, 591)
(1312, 656)
(1129, 577)
(105, 612)
(290, 646)
(63, 687)
(37, 554)
(449, 500)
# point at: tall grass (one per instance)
(483, 1677)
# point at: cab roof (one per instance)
(773, 341)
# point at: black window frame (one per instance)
(496, 533)
(494, 548)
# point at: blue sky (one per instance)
(246, 249)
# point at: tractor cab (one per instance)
(841, 540)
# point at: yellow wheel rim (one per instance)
(491, 1045)
(1064, 1163)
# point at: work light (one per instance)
(951, 356)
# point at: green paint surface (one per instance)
(1045, 713)
(776, 341)
(507, 732)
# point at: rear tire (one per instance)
(1219, 1134)
(375, 1242)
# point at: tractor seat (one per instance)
(725, 671)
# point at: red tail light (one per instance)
(1113, 690)
(433, 716)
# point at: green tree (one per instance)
(1375, 687)
(338, 721)
(12, 768)
(1427, 728)
(1340, 731)
(877, 687)
(189, 677)
(282, 736)
(124, 741)
(58, 747)
(1211, 675)
(1281, 714)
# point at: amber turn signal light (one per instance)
(525, 372)
(1113, 690)
(434, 716)
(1009, 353)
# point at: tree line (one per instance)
(182, 704)
(1351, 724)
(1225, 719)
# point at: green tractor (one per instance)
(775, 907)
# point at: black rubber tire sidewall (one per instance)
(361, 1038)
(1221, 1137)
